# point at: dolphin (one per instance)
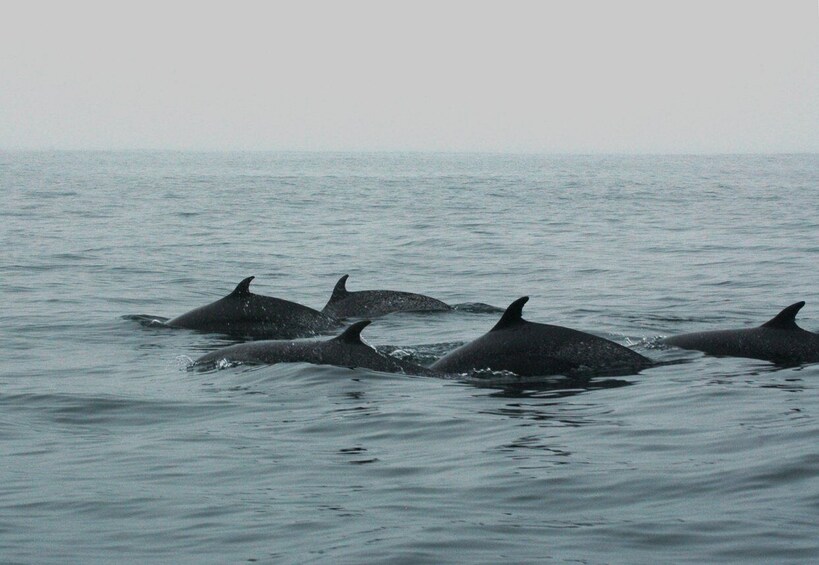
(778, 340)
(344, 350)
(242, 313)
(531, 349)
(372, 303)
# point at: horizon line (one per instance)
(385, 151)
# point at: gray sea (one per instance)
(112, 451)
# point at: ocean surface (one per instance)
(113, 451)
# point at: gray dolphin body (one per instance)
(344, 350)
(242, 313)
(532, 349)
(778, 340)
(373, 303)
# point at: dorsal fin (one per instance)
(513, 315)
(340, 290)
(243, 288)
(353, 333)
(786, 319)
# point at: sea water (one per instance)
(112, 450)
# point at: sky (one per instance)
(583, 76)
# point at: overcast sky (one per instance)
(551, 76)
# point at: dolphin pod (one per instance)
(371, 303)
(779, 340)
(513, 345)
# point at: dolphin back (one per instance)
(532, 349)
(243, 313)
(373, 303)
(779, 340)
(345, 350)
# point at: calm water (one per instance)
(113, 452)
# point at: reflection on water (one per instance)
(535, 443)
(544, 387)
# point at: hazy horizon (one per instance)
(343, 151)
(634, 77)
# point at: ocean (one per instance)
(113, 451)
